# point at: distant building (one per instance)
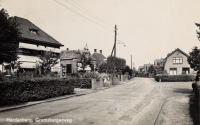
(100, 59)
(146, 67)
(141, 69)
(70, 61)
(35, 42)
(176, 63)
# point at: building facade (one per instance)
(176, 63)
(35, 42)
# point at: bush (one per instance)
(81, 83)
(175, 78)
(16, 92)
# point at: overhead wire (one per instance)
(81, 15)
(82, 6)
(94, 12)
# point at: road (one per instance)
(140, 101)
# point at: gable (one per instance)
(175, 53)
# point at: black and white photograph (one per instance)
(99, 62)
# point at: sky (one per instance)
(150, 29)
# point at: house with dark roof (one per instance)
(176, 63)
(35, 42)
(100, 58)
(70, 61)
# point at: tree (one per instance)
(194, 58)
(47, 61)
(198, 32)
(9, 38)
(151, 69)
(85, 59)
(127, 69)
(120, 63)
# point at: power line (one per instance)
(82, 15)
(83, 11)
(92, 13)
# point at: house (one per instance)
(159, 65)
(176, 63)
(35, 42)
(100, 58)
(146, 67)
(141, 69)
(69, 61)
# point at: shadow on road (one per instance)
(193, 103)
(183, 90)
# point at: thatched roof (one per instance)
(26, 27)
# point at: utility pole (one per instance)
(131, 67)
(114, 54)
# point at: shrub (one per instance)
(81, 83)
(175, 78)
(16, 92)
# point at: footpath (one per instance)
(77, 92)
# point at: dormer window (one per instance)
(34, 31)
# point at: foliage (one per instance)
(175, 78)
(85, 59)
(109, 66)
(46, 62)
(128, 70)
(194, 58)
(198, 32)
(81, 83)
(10, 36)
(152, 70)
(22, 91)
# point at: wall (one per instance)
(169, 63)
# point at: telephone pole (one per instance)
(131, 66)
(114, 54)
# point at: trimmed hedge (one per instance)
(16, 92)
(81, 83)
(175, 78)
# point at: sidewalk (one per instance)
(77, 92)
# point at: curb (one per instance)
(4, 109)
(40, 102)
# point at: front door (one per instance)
(69, 68)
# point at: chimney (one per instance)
(95, 50)
(100, 51)
(67, 48)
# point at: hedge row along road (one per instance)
(140, 101)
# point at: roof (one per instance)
(69, 54)
(72, 54)
(99, 57)
(169, 54)
(25, 26)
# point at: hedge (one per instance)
(175, 78)
(81, 83)
(16, 92)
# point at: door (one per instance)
(69, 68)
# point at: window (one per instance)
(33, 31)
(173, 71)
(177, 60)
(185, 71)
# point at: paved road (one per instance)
(138, 102)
